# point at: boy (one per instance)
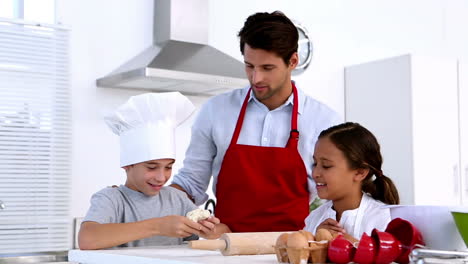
(143, 212)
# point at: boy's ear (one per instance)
(361, 174)
(126, 168)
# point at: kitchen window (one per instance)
(35, 130)
(39, 11)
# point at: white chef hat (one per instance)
(146, 125)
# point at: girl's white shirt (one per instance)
(367, 216)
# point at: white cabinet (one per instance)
(411, 104)
(463, 106)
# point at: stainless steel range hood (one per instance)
(179, 59)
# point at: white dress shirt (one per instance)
(213, 128)
(368, 216)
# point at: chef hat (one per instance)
(146, 125)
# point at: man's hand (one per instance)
(332, 225)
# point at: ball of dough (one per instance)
(198, 215)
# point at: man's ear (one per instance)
(293, 61)
(126, 168)
(360, 174)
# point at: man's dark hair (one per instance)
(272, 32)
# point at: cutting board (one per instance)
(163, 254)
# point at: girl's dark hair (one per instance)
(272, 32)
(362, 151)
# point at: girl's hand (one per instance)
(332, 225)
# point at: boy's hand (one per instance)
(178, 226)
(212, 228)
(209, 223)
(332, 225)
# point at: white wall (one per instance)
(353, 31)
(106, 33)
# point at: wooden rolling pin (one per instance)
(240, 243)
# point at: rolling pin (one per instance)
(240, 243)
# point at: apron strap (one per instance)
(294, 134)
(240, 120)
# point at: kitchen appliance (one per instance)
(35, 257)
(180, 58)
(426, 256)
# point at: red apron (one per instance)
(262, 189)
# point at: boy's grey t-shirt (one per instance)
(124, 205)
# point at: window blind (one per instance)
(35, 138)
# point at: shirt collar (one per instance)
(300, 95)
(137, 194)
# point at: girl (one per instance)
(347, 172)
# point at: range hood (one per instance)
(180, 58)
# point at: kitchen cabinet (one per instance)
(411, 103)
(463, 106)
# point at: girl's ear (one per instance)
(361, 174)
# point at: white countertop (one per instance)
(163, 254)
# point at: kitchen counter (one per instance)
(163, 254)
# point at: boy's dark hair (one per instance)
(272, 32)
(362, 151)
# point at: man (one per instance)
(248, 139)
